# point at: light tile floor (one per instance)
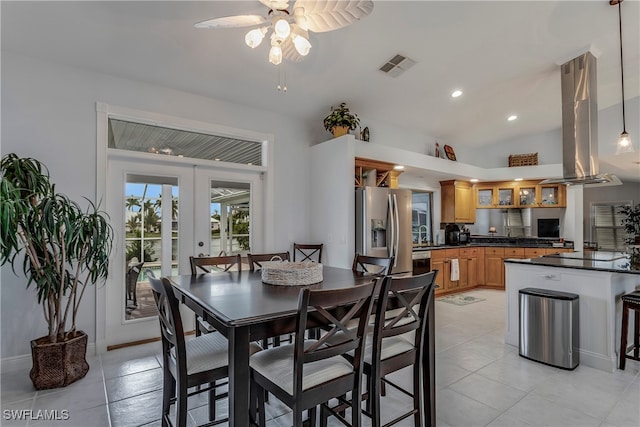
(480, 380)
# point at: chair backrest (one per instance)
(133, 272)
(372, 265)
(333, 308)
(402, 307)
(256, 260)
(226, 262)
(170, 320)
(308, 252)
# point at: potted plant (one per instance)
(65, 249)
(340, 120)
(631, 223)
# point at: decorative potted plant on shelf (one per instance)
(65, 249)
(340, 120)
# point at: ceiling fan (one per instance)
(290, 26)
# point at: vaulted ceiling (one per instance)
(503, 55)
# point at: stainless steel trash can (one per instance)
(549, 327)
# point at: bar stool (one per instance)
(630, 301)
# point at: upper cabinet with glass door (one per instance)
(524, 194)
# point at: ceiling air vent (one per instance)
(397, 65)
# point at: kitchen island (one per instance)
(599, 278)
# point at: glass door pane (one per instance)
(230, 209)
(485, 197)
(151, 242)
(505, 197)
(527, 196)
(549, 196)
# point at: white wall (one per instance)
(49, 112)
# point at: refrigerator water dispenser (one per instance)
(378, 233)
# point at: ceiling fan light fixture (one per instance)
(255, 37)
(275, 54)
(300, 40)
(282, 28)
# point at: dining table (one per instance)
(244, 309)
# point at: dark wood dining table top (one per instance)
(241, 298)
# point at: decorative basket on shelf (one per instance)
(523, 159)
(291, 273)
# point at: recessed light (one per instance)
(456, 93)
(512, 117)
(518, 179)
(398, 167)
(217, 159)
(474, 180)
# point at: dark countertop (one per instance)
(614, 262)
(502, 241)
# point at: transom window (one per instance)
(148, 138)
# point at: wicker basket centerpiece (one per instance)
(291, 273)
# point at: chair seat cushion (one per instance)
(209, 351)
(276, 364)
(391, 346)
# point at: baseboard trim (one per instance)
(23, 361)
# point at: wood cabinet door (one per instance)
(438, 264)
(464, 272)
(465, 207)
(485, 197)
(494, 271)
(472, 271)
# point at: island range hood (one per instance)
(580, 124)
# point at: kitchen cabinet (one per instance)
(471, 258)
(457, 202)
(534, 252)
(524, 194)
(494, 267)
(485, 197)
(527, 196)
(479, 266)
(552, 196)
(506, 196)
(375, 173)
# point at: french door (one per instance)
(164, 210)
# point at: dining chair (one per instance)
(308, 252)
(309, 372)
(256, 260)
(379, 266)
(200, 361)
(133, 272)
(395, 343)
(199, 265)
(223, 263)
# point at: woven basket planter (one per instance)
(58, 364)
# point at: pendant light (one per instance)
(624, 141)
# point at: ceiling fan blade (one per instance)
(276, 4)
(289, 51)
(232, 21)
(328, 15)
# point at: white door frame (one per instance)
(105, 111)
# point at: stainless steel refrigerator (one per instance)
(383, 225)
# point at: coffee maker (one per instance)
(452, 235)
